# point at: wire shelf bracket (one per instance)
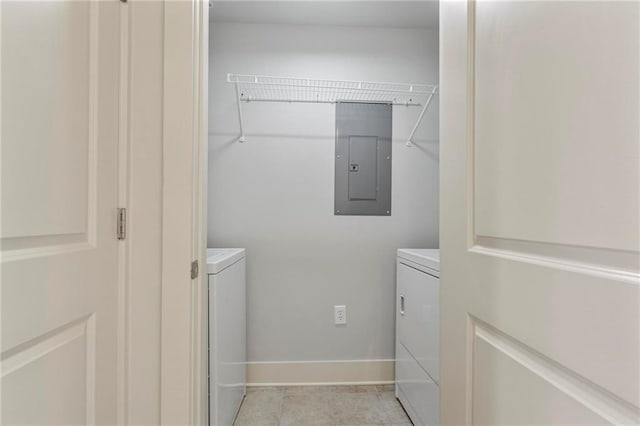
(421, 116)
(256, 88)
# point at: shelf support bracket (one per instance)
(241, 138)
(421, 116)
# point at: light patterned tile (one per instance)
(357, 408)
(306, 390)
(261, 407)
(257, 419)
(362, 424)
(322, 406)
(355, 388)
(393, 412)
(306, 410)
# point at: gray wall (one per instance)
(273, 194)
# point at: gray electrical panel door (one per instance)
(363, 159)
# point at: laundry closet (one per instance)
(323, 163)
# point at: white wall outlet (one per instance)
(340, 314)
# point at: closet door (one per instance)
(540, 212)
(60, 106)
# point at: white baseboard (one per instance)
(307, 373)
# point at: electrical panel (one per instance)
(363, 159)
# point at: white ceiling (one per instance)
(372, 13)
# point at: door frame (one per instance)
(183, 375)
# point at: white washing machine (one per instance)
(418, 334)
(227, 334)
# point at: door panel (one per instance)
(60, 106)
(540, 278)
(58, 362)
(506, 393)
(47, 104)
(554, 155)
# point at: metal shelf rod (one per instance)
(336, 88)
(290, 101)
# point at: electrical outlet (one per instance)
(340, 314)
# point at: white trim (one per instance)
(200, 300)
(177, 203)
(92, 154)
(317, 361)
(90, 380)
(590, 395)
(560, 264)
(314, 373)
(183, 393)
(124, 252)
(53, 250)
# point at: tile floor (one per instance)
(321, 405)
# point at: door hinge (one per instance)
(194, 269)
(121, 230)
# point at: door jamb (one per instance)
(183, 372)
(124, 250)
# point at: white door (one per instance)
(60, 106)
(540, 219)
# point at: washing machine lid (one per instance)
(429, 258)
(219, 259)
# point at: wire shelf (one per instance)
(256, 88)
(261, 88)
